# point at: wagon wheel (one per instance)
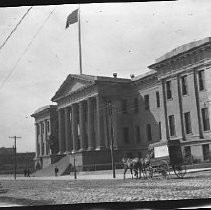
(179, 170)
(148, 172)
(151, 171)
(164, 169)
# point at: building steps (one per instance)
(63, 165)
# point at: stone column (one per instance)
(100, 124)
(41, 139)
(67, 129)
(45, 137)
(61, 131)
(36, 138)
(197, 103)
(165, 109)
(90, 125)
(74, 126)
(82, 125)
(180, 106)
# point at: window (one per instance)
(124, 106)
(38, 149)
(78, 129)
(184, 85)
(160, 132)
(187, 153)
(46, 149)
(43, 148)
(172, 125)
(149, 134)
(136, 105)
(138, 139)
(158, 98)
(126, 135)
(205, 149)
(187, 122)
(48, 126)
(168, 89)
(42, 128)
(85, 112)
(38, 129)
(205, 119)
(146, 102)
(78, 142)
(201, 80)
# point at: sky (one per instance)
(116, 37)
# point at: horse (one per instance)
(133, 165)
(146, 164)
(138, 165)
(127, 164)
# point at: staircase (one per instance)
(63, 165)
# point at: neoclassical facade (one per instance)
(46, 136)
(171, 101)
(84, 123)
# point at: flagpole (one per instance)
(79, 39)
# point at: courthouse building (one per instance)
(171, 101)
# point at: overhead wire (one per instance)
(15, 28)
(26, 49)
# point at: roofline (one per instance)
(43, 110)
(148, 74)
(65, 81)
(55, 99)
(96, 80)
(207, 42)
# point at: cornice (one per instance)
(147, 79)
(72, 94)
(75, 98)
(156, 66)
(201, 64)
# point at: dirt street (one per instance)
(41, 192)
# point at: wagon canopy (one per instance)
(174, 150)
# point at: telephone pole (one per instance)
(15, 167)
(112, 137)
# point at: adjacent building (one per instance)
(23, 161)
(184, 75)
(46, 135)
(169, 102)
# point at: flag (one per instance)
(72, 18)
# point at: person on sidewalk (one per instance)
(25, 172)
(56, 170)
(28, 173)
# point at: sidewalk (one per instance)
(100, 175)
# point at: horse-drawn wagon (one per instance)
(166, 156)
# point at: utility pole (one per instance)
(15, 137)
(75, 175)
(109, 104)
(74, 165)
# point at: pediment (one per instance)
(70, 85)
